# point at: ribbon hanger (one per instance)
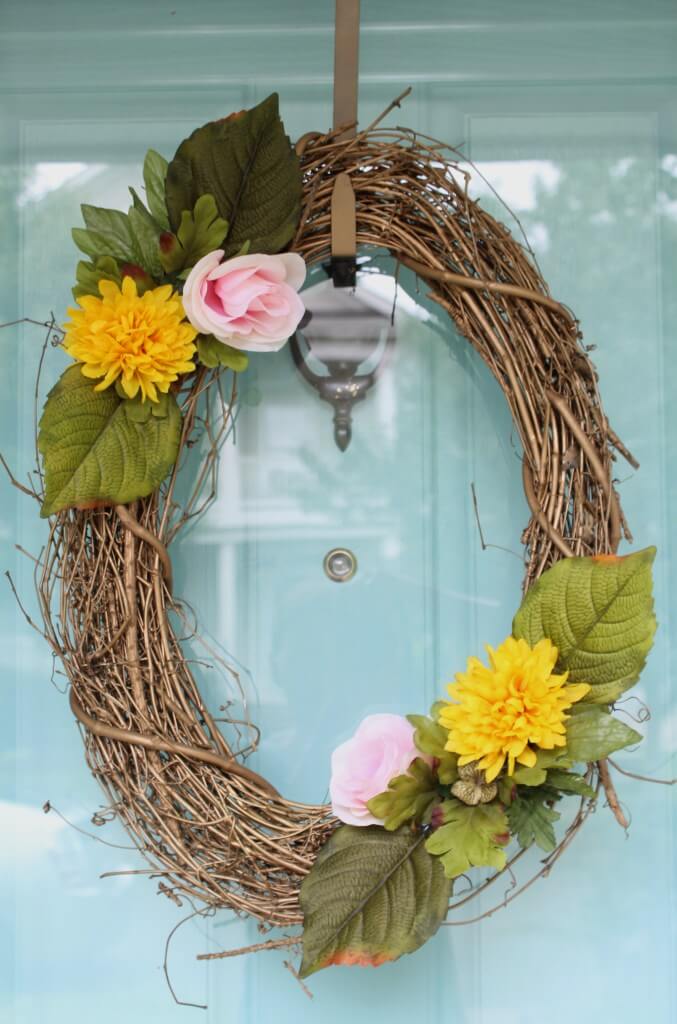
(343, 265)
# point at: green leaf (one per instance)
(88, 275)
(529, 776)
(447, 769)
(599, 614)
(172, 255)
(531, 820)
(154, 175)
(470, 837)
(109, 233)
(201, 231)
(569, 782)
(146, 235)
(436, 709)
(370, 897)
(507, 788)
(91, 243)
(212, 353)
(407, 798)
(250, 167)
(594, 733)
(557, 758)
(430, 738)
(545, 759)
(95, 449)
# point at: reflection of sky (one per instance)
(385, 287)
(669, 164)
(32, 833)
(518, 182)
(521, 183)
(667, 204)
(48, 177)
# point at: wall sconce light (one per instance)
(341, 347)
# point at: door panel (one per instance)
(571, 114)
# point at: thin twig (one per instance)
(256, 947)
(397, 102)
(48, 807)
(15, 483)
(292, 970)
(642, 778)
(165, 961)
(50, 324)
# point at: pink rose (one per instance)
(250, 302)
(362, 767)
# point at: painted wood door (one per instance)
(570, 111)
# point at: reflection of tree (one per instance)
(595, 235)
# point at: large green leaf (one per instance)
(100, 450)
(594, 733)
(470, 837)
(146, 232)
(407, 797)
(599, 614)
(371, 896)
(154, 176)
(249, 165)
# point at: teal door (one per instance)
(570, 112)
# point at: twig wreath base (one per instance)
(211, 828)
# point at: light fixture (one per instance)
(342, 346)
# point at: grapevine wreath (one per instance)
(207, 266)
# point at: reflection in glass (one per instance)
(344, 344)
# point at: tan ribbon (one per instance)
(346, 65)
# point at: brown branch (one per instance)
(257, 947)
(397, 102)
(642, 778)
(132, 524)
(603, 475)
(539, 514)
(164, 745)
(475, 284)
(15, 483)
(611, 795)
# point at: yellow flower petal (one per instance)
(506, 711)
(142, 340)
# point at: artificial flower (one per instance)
(471, 787)
(361, 768)
(141, 340)
(505, 711)
(250, 302)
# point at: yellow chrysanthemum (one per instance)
(503, 711)
(142, 340)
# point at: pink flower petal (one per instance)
(361, 768)
(250, 302)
